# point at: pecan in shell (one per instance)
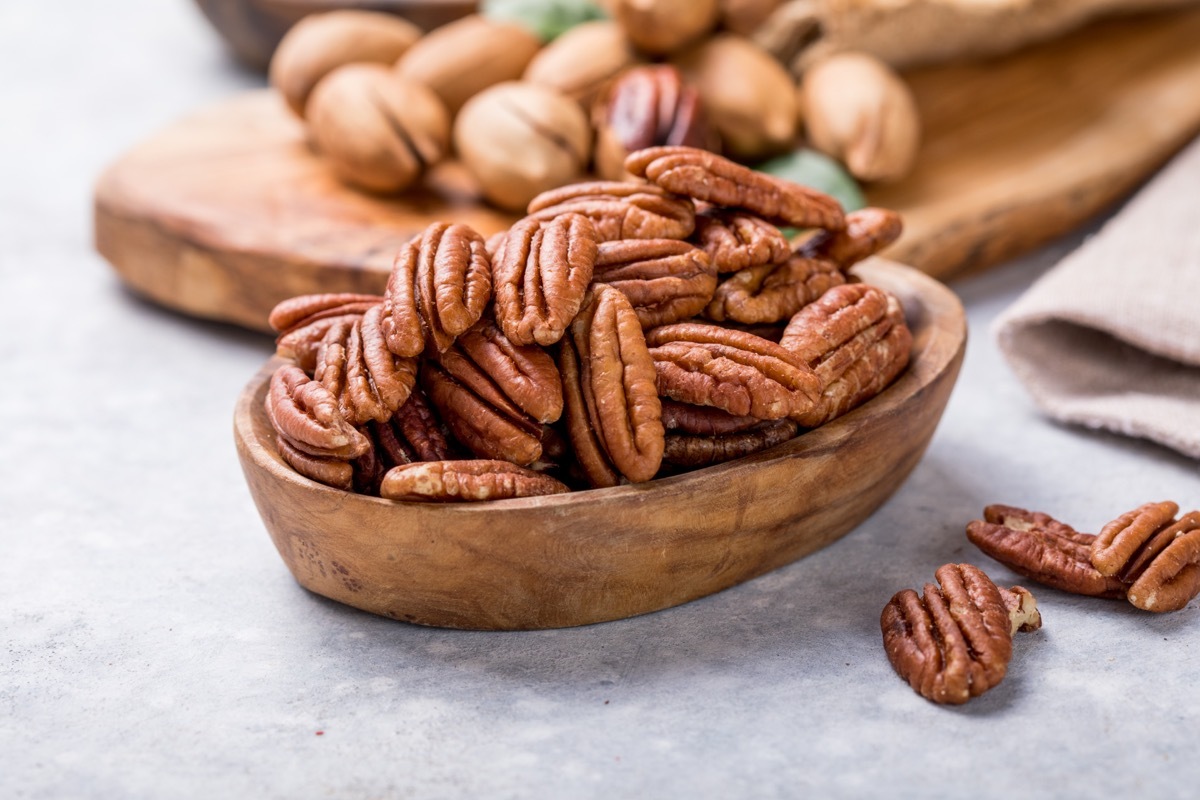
(620, 210)
(735, 240)
(955, 641)
(734, 371)
(541, 271)
(1157, 555)
(666, 280)
(465, 481)
(714, 179)
(773, 292)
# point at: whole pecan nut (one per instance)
(955, 641)
(620, 210)
(694, 451)
(666, 280)
(1043, 549)
(1157, 555)
(735, 240)
(438, 288)
(465, 481)
(734, 371)
(541, 271)
(714, 179)
(303, 321)
(773, 292)
(867, 231)
(356, 366)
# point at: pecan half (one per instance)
(413, 434)
(465, 481)
(541, 271)
(666, 280)
(439, 286)
(702, 420)
(955, 641)
(519, 379)
(614, 417)
(731, 370)
(856, 340)
(735, 240)
(620, 210)
(714, 179)
(691, 451)
(356, 366)
(1042, 549)
(867, 231)
(334, 472)
(306, 415)
(302, 322)
(1157, 555)
(773, 292)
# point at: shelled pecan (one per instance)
(693, 451)
(717, 180)
(731, 370)
(457, 481)
(867, 231)
(702, 420)
(413, 434)
(439, 286)
(1155, 554)
(620, 210)
(666, 280)
(954, 642)
(736, 240)
(356, 366)
(303, 321)
(541, 270)
(773, 292)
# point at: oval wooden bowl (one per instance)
(605, 554)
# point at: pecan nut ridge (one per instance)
(1156, 554)
(1117, 541)
(597, 471)
(355, 365)
(484, 429)
(693, 451)
(735, 240)
(465, 481)
(525, 374)
(1042, 549)
(867, 231)
(306, 414)
(620, 210)
(306, 309)
(714, 179)
(773, 292)
(666, 280)
(541, 272)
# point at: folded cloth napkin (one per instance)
(1110, 337)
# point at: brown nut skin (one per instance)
(773, 292)
(735, 240)
(303, 321)
(306, 414)
(867, 231)
(582, 60)
(462, 58)
(644, 107)
(749, 97)
(414, 433)
(518, 379)
(693, 451)
(954, 642)
(487, 431)
(320, 43)
(355, 365)
(465, 481)
(520, 139)
(713, 179)
(663, 26)
(376, 131)
(1157, 555)
(666, 280)
(620, 210)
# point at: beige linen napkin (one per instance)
(1110, 337)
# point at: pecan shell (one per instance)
(735, 240)
(714, 179)
(666, 280)
(773, 292)
(731, 370)
(692, 451)
(465, 481)
(1042, 549)
(620, 210)
(438, 288)
(306, 415)
(955, 641)
(1157, 555)
(867, 231)
(541, 271)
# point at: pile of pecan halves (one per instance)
(954, 642)
(619, 332)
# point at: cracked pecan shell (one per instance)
(773, 292)
(867, 231)
(1043, 549)
(734, 371)
(666, 280)
(954, 641)
(356, 366)
(465, 481)
(693, 451)
(438, 288)
(736, 240)
(620, 210)
(1156, 555)
(541, 271)
(714, 179)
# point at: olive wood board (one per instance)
(227, 212)
(604, 554)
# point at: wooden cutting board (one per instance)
(228, 212)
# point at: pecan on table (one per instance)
(693, 451)
(867, 231)
(666, 280)
(955, 641)
(1042, 549)
(714, 179)
(736, 240)
(439, 286)
(773, 292)
(856, 340)
(303, 321)
(356, 366)
(540, 272)
(734, 371)
(613, 414)
(620, 210)
(1157, 555)
(461, 481)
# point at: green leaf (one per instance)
(818, 171)
(546, 18)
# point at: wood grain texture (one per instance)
(228, 212)
(606, 554)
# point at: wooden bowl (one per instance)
(605, 554)
(253, 28)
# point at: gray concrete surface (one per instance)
(152, 644)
